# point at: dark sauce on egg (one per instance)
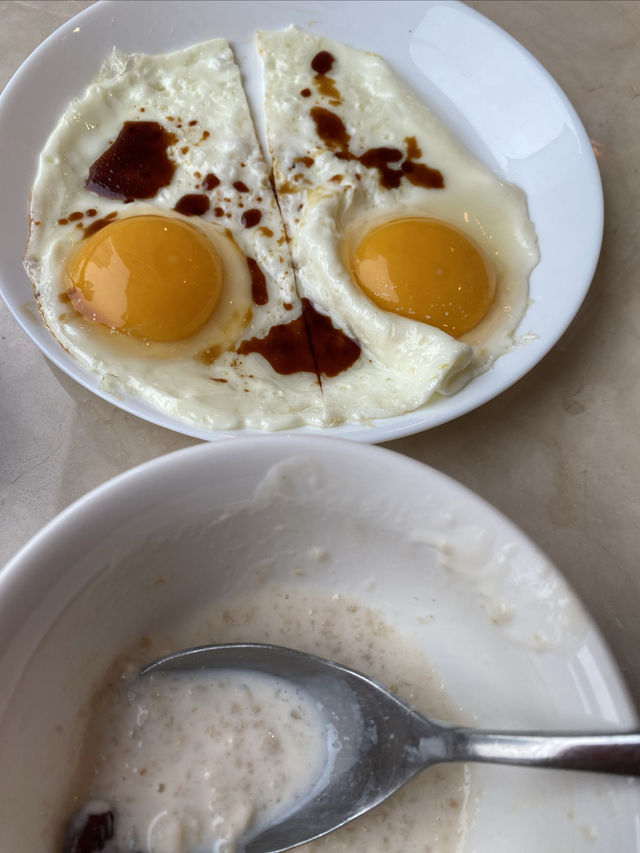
(331, 130)
(136, 165)
(259, 292)
(287, 346)
(251, 218)
(333, 350)
(380, 158)
(97, 224)
(421, 175)
(322, 63)
(192, 204)
(210, 182)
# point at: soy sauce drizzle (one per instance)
(136, 165)
(333, 350)
(97, 224)
(251, 218)
(322, 63)
(192, 204)
(331, 130)
(259, 291)
(210, 182)
(287, 346)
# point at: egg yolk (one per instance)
(151, 277)
(426, 270)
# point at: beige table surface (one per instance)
(559, 453)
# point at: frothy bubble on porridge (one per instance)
(190, 762)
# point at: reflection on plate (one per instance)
(477, 79)
(511, 643)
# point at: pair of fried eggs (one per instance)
(160, 279)
(153, 284)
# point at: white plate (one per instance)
(482, 83)
(511, 643)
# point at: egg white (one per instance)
(197, 95)
(328, 204)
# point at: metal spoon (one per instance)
(384, 742)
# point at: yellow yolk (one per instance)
(426, 270)
(152, 277)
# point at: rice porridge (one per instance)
(190, 762)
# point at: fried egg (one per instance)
(157, 250)
(415, 250)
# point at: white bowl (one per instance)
(508, 638)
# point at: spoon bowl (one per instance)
(384, 742)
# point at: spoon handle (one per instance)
(617, 752)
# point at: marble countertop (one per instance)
(559, 453)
